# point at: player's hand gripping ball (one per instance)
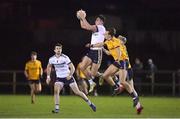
(81, 14)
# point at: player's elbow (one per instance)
(83, 26)
(87, 27)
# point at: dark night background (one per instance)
(152, 28)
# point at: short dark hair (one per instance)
(58, 44)
(33, 53)
(102, 17)
(122, 38)
(112, 31)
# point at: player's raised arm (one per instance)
(84, 23)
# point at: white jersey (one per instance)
(98, 36)
(61, 65)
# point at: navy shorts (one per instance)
(130, 73)
(34, 81)
(65, 81)
(120, 65)
(95, 56)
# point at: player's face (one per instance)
(98, 21)
(58, 50)
(122, 42)
(107, 36)
(33, 57)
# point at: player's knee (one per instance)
(78, 92)
(85, 92)
(56, 89)
(32, 90)
(38, 90)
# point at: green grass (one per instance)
(19, 106)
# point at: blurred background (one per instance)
(151, 27)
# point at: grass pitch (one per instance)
(19, 106)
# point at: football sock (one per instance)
(56, 99)
(133, 95)
(57, 106)
(89, 102)
(90, 81)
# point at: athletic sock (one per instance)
(57, 106)
(133, 95)
(89, 102)
(90, 81)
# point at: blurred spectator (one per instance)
(137, 68)
(151, 68)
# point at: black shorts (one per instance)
(130, 73)
(65, 81)
(34, 81)
(120, 65)
(95, 56)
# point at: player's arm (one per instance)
(72, 70)
(26, 72)
(49, 67)
(41, 70)
(77, 72)
(106, 51)
(85, 25)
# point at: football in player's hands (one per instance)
(81, 14)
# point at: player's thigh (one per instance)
(85, 63)
(94, 69)
(32, 86)
(84, 84)
(111, 70)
